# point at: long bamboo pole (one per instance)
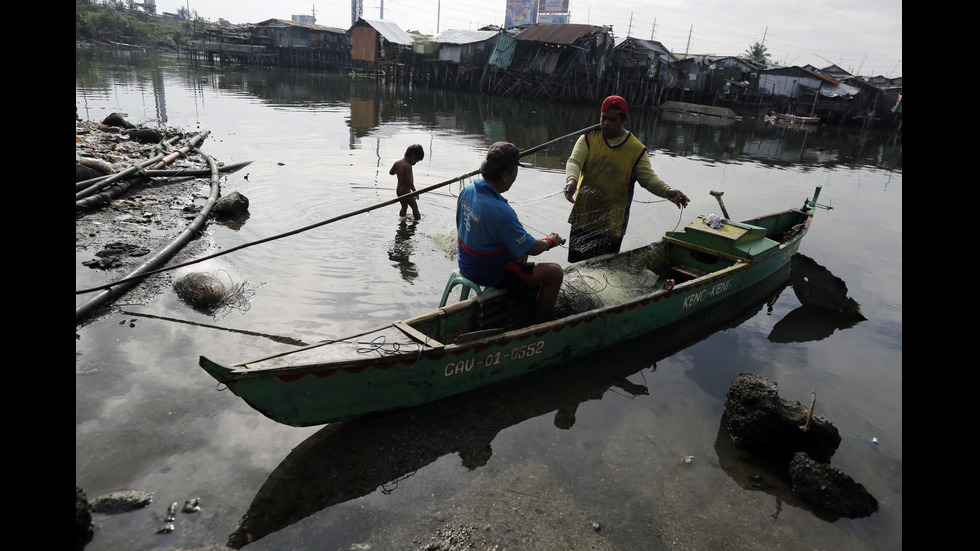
(334, 219)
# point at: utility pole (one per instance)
(630, 27)
(654, 28)
(687, 48)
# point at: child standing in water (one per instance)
(406, 179)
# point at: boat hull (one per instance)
(489, 338)
(314, 394)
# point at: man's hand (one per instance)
(678, 198)
(570, 187)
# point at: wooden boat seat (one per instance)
(687, 272)
(456, 278)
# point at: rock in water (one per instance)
(830, 488)
(816, 287)
(761, 422)
(122, 501)
(231, 205)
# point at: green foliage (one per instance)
(125, 21)
(757, 52)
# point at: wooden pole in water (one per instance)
(336, 218)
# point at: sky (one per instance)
(864, 37)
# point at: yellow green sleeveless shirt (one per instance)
(605, 188)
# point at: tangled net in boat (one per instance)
(209, 294)
(597, 284)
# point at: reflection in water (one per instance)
(401, 249)
(759, 474)
(523, 123)
(345, 461)
(809, 324)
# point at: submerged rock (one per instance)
(761, 422)
(830, 488)
(122, 501)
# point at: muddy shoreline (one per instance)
(116, 236)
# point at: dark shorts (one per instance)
(586, 244)
(517, 277)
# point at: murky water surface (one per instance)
(630, 439)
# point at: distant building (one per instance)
(378, 40)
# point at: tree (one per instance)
(757, 52)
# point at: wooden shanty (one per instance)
(378, 41)
(240, 44)
(275, 42)
(462, 56)
(641, 70)
(550, 62)
(801, 91)
(305, 45)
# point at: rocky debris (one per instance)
(102, 148)
(830, 488)
(122, 501)
(764, 424)
(117, 236)
(761, 422)
(83, 517)
(118, 120)
(146, 135)
(453, 537)
(111, 256)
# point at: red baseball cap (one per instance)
(614, 101)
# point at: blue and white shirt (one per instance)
(489, 234)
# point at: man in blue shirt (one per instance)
(493, 244)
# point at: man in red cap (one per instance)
(599, 181)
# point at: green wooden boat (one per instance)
(489, 338)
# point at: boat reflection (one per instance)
(345, 461)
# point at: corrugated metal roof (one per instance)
(839, 90)
(390, 31)
(460, 36)
(558, 33)
(286, 23)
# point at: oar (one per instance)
(332, 220)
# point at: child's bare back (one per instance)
(406, 178)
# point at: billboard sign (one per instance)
(520, 12)
(552, 6)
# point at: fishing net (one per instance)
(606, 282)
(209, 294)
